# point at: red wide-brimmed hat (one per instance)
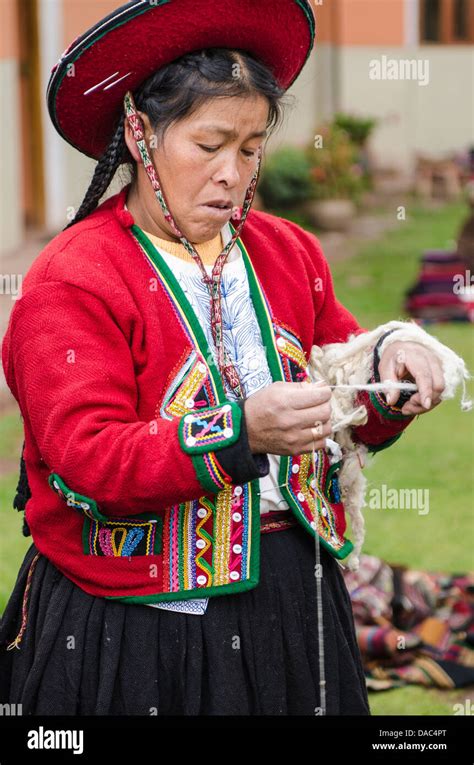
(87, 86)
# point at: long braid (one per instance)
(104, 172)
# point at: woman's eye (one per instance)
(212, 149)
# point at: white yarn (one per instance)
(346, 367)
(386, 385)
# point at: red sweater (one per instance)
(143, 485)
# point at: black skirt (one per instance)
(252, 653)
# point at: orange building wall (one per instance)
(79, 15)
(343, 22)
(325, 15)
(360, 22)
(9, 47)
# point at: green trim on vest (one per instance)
(74, 499)
(388, 413)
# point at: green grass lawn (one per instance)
(434, 453)
(13, 544)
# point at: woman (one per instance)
(169, 423)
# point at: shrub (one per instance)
(285, 179)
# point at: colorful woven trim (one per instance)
(292, 355)
(316, 494)
(210, 472)
(210, 429)
(73, 499)
(388, 411)
(114, 537)
(190, 389)
(123, 537)
(277, 520)
(207, 543)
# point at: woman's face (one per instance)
(207, 157)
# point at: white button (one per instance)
(313, 483)
(325, 512)
(200, 543)
(301, 496)
(236, 517)
(190, 441)
(296, 468)
(189, 418)
(237, 548)
(226, 408)
(202, 512)
(313, 525)
(234, 575)
(238, 490)
(202, 367)
(201, 579)
(189, 403)
(55, 484)
(281, 342)
(228, 432)
(85, 506)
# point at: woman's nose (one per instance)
(228, 172)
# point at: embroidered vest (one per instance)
(210, 546)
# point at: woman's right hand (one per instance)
(279, 418)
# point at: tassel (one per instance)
(18, 639)
(23, 493)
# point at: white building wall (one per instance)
(437, 118)
(11, 225)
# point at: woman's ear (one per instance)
(129, 139)
(130, 142)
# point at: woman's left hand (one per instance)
(412, 361)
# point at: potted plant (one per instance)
(336, 179)
(357, 128)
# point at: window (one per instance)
(447, 22)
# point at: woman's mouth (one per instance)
(219, 212)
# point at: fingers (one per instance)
(306, 395)
(415, 361)
(309, 435)
(306, 419)
(413, 406)
(393, 370)
(438, 380)
(429, 377)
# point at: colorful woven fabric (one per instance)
(413, 627)
(439, 294)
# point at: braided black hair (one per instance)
(174, 92)
(103, 174)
